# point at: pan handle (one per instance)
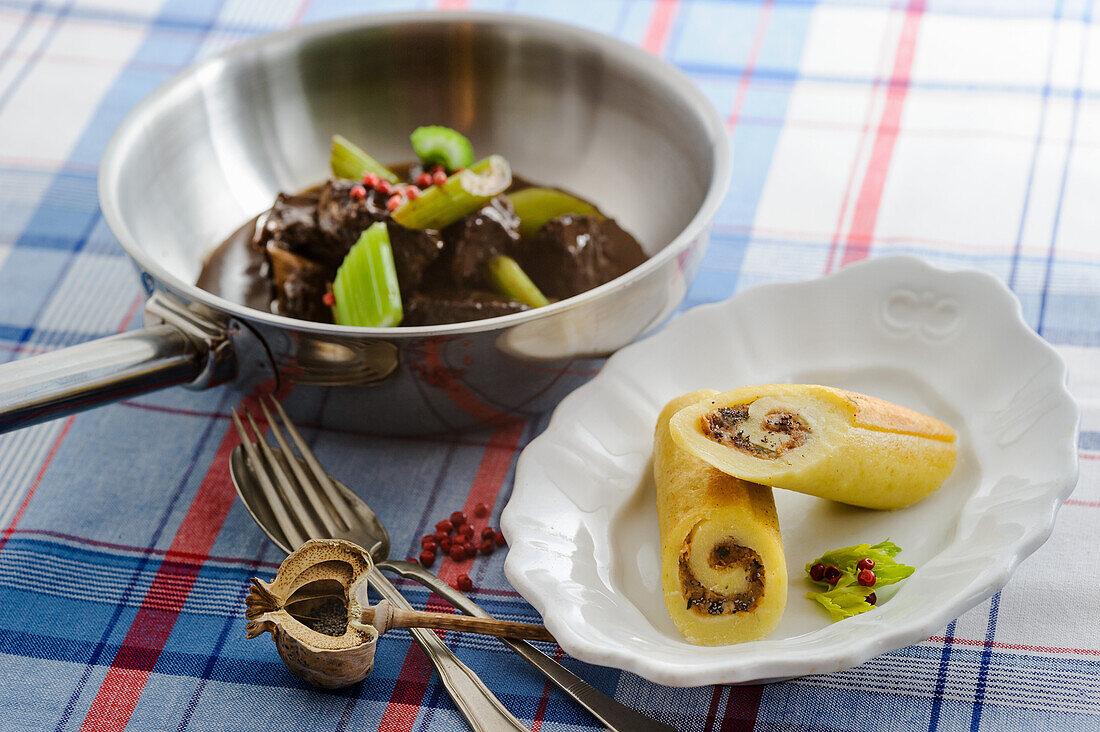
(183, 347)
(54, 384)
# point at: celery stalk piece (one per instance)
(365, 288)
(436, 145)
(350, 161)
(536, 206)
(461, 195)
(510, 280)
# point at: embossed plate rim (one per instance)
(543, 564)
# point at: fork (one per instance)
(306, 507)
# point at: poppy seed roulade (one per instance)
(722, 564)
(822, 441)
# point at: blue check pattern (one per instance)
(963, 131)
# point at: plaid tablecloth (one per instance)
(964, 131)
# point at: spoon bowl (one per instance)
(368, 531)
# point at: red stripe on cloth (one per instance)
(37, 480)
(712, 710)
(750, 63)
(408, 692)
(1015, 646)
(160, 608)
(412, 685)
(491, 473)
(131, 312)
(1089, 504)
(741, 708)
(866, 211)
(838, 232)
(660, 23)
(300, 13)
(540, 713)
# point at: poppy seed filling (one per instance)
(724, 556)
(778, 432)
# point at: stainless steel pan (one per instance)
(213, 146)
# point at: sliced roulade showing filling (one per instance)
(761, 429)
(822, 441)
(722, 565)
(729, 580)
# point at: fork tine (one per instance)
(295, 506)
(304, 484)
(278, 509)
(337, 502)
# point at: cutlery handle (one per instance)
(477, 704)
(616, 716)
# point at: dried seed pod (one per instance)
(312, 610)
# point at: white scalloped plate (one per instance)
(582, 522)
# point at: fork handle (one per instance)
(477, 704)
(615, 716)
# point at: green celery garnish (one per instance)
(844, 602)
(436, 145)
(847, 597)
(365, 287)
(536, 206)
(510, 280)
(461, 195)
(350, 161)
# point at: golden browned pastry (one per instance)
(722, 563)
(822, 441)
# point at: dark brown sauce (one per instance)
(235, 270)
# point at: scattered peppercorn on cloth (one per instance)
(965, 132)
